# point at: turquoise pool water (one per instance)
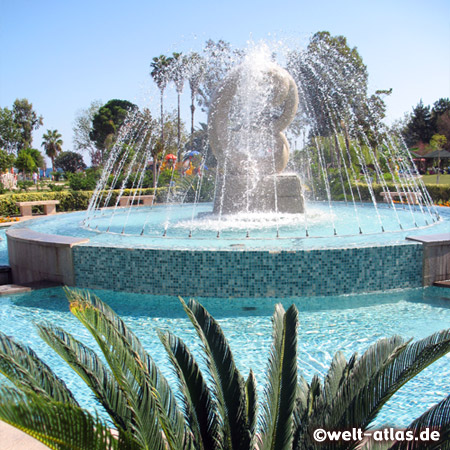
(181, 220)
(327, 324)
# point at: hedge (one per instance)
(68, 200)
(79, 200)
(438, 192)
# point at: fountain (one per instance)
(328, 218)
(246, 120)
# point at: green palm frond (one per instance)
(251, 395)
(199, 406)
(26, 371)
(404, 362)
(135, 371)
(61, 426)
(335, 376)
(281, 388)
(435, 419)
(229, 384)
(309, 399)
(91, 369)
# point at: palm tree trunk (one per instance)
(179, 130)
(162, 118)
(192, 117)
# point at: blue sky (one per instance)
(61, 55)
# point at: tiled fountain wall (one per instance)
(249, 273)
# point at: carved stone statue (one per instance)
(247, 117)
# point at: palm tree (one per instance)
(52, 144)
(177, 75)
(195, 73)
(160, 74)
(222, 416)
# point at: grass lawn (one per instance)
(431, 179)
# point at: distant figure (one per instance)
(35, 177)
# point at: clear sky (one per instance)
(63, 54)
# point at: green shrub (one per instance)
(69, 200)
(81, 182)
(56, 175)
(24, 185)
(56, 187)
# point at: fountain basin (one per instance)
(233, 265)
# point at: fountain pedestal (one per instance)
(274, 193)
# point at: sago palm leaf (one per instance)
(135, 372)
(229, 385)
(404, 363)
(199, 406)
(26, 371)
(365, 385)
(306, 399)
(93, 372)
(251, 396)
(281, 388)
(61, 426)
(437, 419)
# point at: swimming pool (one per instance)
(327, 324)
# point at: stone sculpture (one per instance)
(247, 117)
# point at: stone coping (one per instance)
(54, 240)
(432, 239)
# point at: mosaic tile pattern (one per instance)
(249, 273)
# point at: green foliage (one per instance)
(219, 411)
(107, 121)
(7, 160)
(56, 175)
(70, 162)
(83, 181)
(52, 144)
(10, 137)
(24, 185)
(29, 160)
(425, 122)
(56, 187)
(69, 200)
(25, 162)
(17, 125)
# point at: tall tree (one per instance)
(70, 162)
(17, 125)
(26, 120)
(29, 160)
(107, 121)
(52, 144)
(219, 59)
(420, 128)
(177, 75)
(10, 137)
(160, 68)
(195, 74)
(82, 129)
(441, 117)
(332, 81)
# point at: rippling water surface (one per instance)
(328, 324)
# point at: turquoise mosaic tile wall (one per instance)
(249, 273)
